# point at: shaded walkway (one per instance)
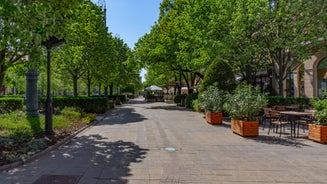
(159, 143)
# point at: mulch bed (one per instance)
(19, 151)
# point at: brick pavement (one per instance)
(152, 143)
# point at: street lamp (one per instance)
(51, 42)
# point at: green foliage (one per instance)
(189, 99)
(245, 103)
(71, 113)
(303, 102)
(88, 117)
(86, 104)
(219, 74)
(179, 99)
(320, 110)
(121, 98)
(195, 105)
(212, 99)
(8, 104)
(21, 135)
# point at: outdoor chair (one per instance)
(277, 121)
(265, 116)
(304, 121)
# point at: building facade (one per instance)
(310, 78)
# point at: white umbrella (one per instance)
(154, 88)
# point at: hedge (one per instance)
(122, 98)
(86, 104)
(279, 100)
(10, 104)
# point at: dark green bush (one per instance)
(8, 104)
(279, 100)
(179, 99)
(189, 99)
(122, 98)
(219, 74)
(86, 104)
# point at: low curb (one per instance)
(52, 147)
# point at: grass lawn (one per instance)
(21, 135)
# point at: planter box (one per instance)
(214, 118)
(245, 128)
(318, 133)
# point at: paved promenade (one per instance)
(152, 143)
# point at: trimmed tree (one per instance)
(219, 74)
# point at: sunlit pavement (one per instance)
(160, 143)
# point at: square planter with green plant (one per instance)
(318, 128)
(212, 100)
(243, 108)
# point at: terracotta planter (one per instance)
(245, 128)
(318, 133)
(214, 118)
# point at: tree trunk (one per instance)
(3, 69)
(106, 90)
(75, 78)
(111, 89)
(88, 86)
(100, 85)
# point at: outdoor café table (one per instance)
(293, 116)
(291, 108)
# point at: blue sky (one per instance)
(131, 19)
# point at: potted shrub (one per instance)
(211, 101)
(243, 107)
(318, 129)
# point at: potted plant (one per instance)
(243, 107)
(318, 128)
(211, 101)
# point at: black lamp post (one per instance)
(51, 42)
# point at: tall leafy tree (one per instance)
(292, 31)
(24, 25)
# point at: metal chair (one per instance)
(277, 121)
(304, 121)
(265, 116)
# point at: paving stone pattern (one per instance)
(152, 143)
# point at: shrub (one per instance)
(279, 100)
(71, 113)
(85, 104)
(245, 103)
(220, 74)
(88, 117)
(179, 99)
(320, 110)
(8, 104)
(195, 105)
(212, 99)
(122, 98)
(189, 99)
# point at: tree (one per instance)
(292, 31)
(25, 24)
(219, 74)
(244, 50)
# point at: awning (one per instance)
(154, 88)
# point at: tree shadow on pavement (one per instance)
(168, 107)
(114, 157)
(123, 116)
(103, 161)
(284, 141)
